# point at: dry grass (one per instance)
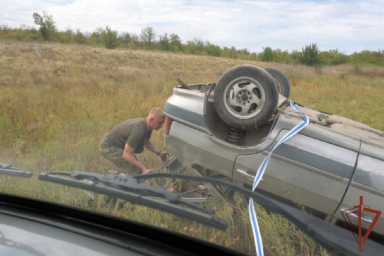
(57, 101)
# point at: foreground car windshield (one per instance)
(226, 129)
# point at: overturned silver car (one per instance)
(226, 129)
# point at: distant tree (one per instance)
(253, 56)
(244, 54)
(333, 57)
(66, 36)
(213, 50)
(266, 54)
(281, 56)
(244, 51)
(135, 38)
(109, 38)
(164, 42)
(199, 44)
(310, 55)
(96, 36)
(79, 37)
(190, 47)
(233, 52)
(148, 36)
(124, 38)
(368, 57)
(295, 57)
(175, 43)
(47, 25)
(5, 28)
(23, 33)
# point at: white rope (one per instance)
(259, 175)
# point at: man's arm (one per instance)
(151, 147)
(130, 158)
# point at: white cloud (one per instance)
(283, 24)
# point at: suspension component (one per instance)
(235, 135)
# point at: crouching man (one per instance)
(129, 138)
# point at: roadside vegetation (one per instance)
(149, 39)
(58, 100)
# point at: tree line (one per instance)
(148, 39)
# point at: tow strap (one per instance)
(259, 175)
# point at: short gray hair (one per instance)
(156, 112)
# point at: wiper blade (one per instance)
(128, 188)
(7, 169)
(331, 237)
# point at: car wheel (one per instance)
(281, 80)
(245, 97)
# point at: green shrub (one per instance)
(47, 25)
(109, 38)
(266, 54)
(310, 55)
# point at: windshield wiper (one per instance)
(130, 189)
(7, 169)
(331, 237)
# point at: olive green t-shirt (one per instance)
(132, 131)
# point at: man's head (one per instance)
(155, 119)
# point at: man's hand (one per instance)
(151, 147)
(146, 171)
(163, 155)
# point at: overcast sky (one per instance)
(348, 25)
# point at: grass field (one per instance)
(57, 102)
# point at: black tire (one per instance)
(245, 97)
(281, 81)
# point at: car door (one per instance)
(310, 169)
(368, 183)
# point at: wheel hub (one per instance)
(244, 97)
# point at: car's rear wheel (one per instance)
(245, 97)
(281, 80)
